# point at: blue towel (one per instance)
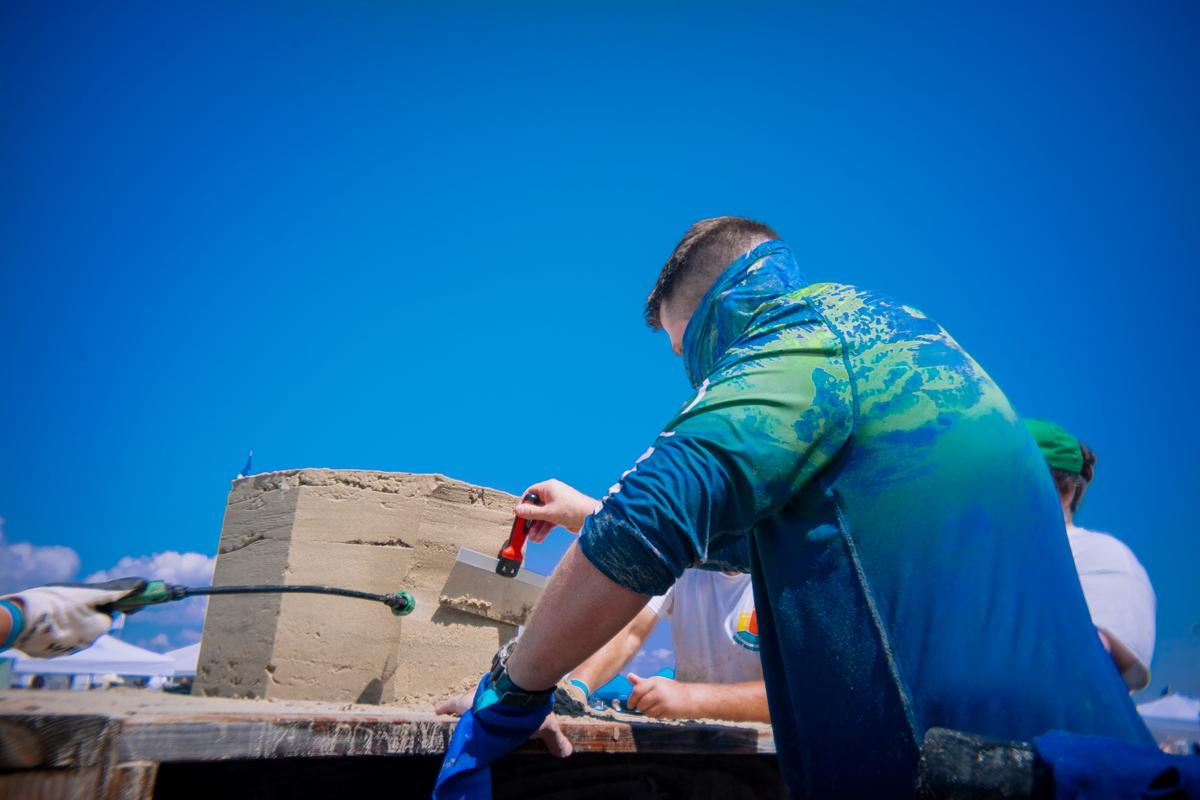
(482, 736)
(1096, 768)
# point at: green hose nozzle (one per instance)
(403, 605)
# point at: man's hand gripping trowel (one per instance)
(498, 588)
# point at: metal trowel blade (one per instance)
(474, 587)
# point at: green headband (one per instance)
(1060, 449)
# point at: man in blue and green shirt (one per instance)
(902, 534)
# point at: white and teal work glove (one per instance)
(61, 618)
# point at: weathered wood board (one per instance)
(162, 728)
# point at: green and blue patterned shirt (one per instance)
(907, 549)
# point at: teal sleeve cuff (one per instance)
(624, 555)
(18, 623)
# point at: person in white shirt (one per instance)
(1115, 585)
(714, 631)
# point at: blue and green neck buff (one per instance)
(763, 274)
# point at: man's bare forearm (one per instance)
(604, 665)
(579, 612)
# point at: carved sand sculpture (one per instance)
(372, 531)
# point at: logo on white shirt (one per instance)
(747, 630)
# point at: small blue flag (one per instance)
(246, 470)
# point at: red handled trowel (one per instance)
(499, 587)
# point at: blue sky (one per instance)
(418, 238)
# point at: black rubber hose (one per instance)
(401, 602)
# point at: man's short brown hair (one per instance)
(708, 247)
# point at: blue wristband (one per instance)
(586, 691)
(18, 622)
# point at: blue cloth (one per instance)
(910, 564)
(1095, 768)
(485, 733)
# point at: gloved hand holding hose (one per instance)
(61, 618)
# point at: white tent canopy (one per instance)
(185, 659)
(1173, 706)
(106, 655)
(1172, 717)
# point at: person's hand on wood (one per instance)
(454, 706)
(561, 505)
(661, 697)
(550, 732)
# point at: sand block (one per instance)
(373, 531)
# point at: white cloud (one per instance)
(189, 636)
(184, 569)
(159, 643)
(188, 569)
(23, 564)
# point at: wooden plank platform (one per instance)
(162, 728)
(111, 745)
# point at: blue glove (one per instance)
(488, 731)
(1100, 768)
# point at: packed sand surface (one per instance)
(372, 531)
(141, 702)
